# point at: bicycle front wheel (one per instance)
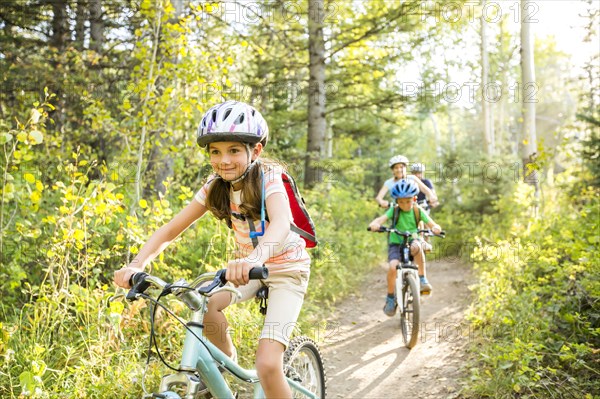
(303, 363)
(410, 314)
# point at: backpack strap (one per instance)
(417, 213)
(252, 229)
(302, 233)
(395, 216)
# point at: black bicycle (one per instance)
(408, 286)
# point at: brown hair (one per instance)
(218, 197)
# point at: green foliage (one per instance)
(535, 313)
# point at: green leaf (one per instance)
(5, 138)
(29, 383)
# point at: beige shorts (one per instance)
(286, 295)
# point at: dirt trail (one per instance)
(366, 357)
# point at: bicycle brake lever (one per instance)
(218, 281)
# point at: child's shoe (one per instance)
(426, 288)
(390, 306)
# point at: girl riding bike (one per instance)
(244, 187)
(404, 219)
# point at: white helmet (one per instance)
(232, 121)
(417, 167)
(398, 159)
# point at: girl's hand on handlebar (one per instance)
(121, 277)
(384, 204)
(238, 271)
(436, 229)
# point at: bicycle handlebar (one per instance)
(141, 281)
(427, 232)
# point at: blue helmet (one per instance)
(405, 188)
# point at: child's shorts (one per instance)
(286, 295)
(394, 251)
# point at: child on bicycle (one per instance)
(234, 133)
(417, 170)
(404, 192)
(398, 164)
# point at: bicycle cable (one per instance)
(153, 335)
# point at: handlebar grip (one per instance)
(138, 285)
(382, 229)
(259, 273)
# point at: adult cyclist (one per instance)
(398, 165)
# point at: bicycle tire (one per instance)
(411, 311)
(303, 362)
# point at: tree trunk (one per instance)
(161, 163)
(60, 29)
(486, 105)
(529, 141)
(80, 18)
(317, 124)
(96, 25)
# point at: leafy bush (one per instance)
(536, 307)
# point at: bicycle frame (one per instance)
(402, 269)
(200, 356)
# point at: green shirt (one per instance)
(406, 222)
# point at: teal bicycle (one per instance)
(200, 373)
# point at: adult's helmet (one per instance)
(232, 121)
(417, 167)
(398, 159)
(404, 188)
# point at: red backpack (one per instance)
(302, 225)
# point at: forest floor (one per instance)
(364, 352)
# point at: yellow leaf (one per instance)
(22, 136)
(100, 209)
(244, 43)
(230, 60)
(35, 197)
(79, 234)
(116, 307)
(63, 209)
(29, 178)
(39, 186)
(50, 253)
(143, 204)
